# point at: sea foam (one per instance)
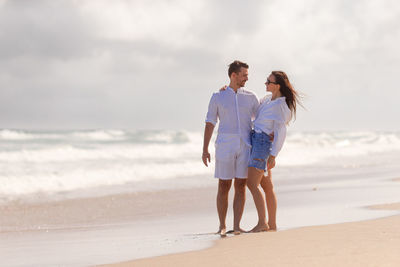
(53, 162)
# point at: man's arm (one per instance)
(208, 131)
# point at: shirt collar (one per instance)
(281, 98)
(239, 90)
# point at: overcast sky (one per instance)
(146, 64)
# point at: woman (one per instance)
(275, 111)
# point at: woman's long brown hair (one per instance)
(287, 90)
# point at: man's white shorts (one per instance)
(231, 158)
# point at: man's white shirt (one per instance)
(235, 112)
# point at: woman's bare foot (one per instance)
(272, 227)
(259, 228)
(222, 232)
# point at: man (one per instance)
(235, 108)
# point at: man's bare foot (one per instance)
(259, 228)
(222, 232)
(238, 231)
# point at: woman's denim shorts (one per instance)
(260, 150)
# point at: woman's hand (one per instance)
(223, 88)
(270, 162)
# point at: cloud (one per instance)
(101, 63)
(43, 30)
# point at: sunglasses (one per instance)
(268, 82)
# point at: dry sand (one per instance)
(366, 243)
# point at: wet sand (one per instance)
(118, 208)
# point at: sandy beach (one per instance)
(366, 243)
(141, 226)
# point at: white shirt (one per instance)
(272, 117)
(235, 112)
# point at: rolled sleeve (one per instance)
(212, 113)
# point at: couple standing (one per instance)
(250, 135)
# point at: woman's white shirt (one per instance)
(272, 117)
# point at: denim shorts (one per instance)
(261, 148)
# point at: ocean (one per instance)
(37, 165)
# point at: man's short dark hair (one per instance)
(235, 66)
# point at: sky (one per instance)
(152, 64)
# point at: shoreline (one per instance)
(365, 243)
(117, 209)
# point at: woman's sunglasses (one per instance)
(268, 82)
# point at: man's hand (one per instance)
(271, 137)
(270, 162)
(223, 88)
(206, 156)
(208, 130)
